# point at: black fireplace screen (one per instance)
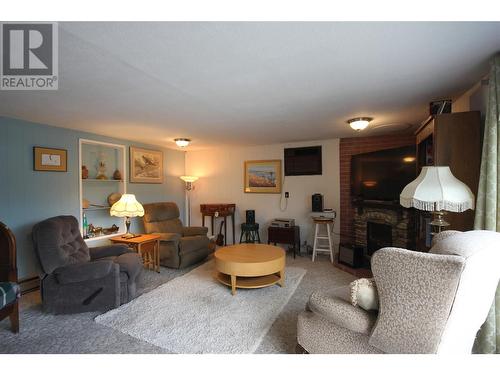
(377, 236)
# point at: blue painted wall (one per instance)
(27, 196)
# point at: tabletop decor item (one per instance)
(112, 229)
(50, 159)
(85, 203)
(127, 207)
(146, 166)
(117, 175)
(85, 172)
(113, 198)
(262, 176)
(437, 190)
(101, 168)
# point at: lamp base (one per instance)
(130, 235)
(438, 220)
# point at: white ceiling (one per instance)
(253, 83)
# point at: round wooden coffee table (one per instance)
(250, 266)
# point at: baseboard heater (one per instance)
(29, 284)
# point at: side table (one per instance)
(222, 210)
(147, 246)
(289, 236)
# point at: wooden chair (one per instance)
(10, 292)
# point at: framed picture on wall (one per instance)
(146, 166)
(50, 159)
(262, 176)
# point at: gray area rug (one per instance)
(196, 314)
(79, 333)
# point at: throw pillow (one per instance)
(364, 294)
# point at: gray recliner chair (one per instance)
(180, 246)
(76, 278)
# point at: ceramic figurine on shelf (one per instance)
(101, 168)
(117, 175)
(85, 172)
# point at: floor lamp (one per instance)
(437, 190)
(189, 180)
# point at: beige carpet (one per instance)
(196, 314)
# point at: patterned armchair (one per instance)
(429, 302)
(9, 289)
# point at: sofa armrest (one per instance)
(75, 273)
(108, 251)
(342, 313)
(194, 231)
(169, 237)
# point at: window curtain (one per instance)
(488, 201)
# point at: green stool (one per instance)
(250, 232)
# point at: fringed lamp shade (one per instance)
(436, 189)
(127, 206)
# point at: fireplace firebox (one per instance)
(378, 225)
(378, 235)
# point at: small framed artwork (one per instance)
(50, 159)
(146, 166)
(262, 176)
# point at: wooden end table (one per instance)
(147, 246)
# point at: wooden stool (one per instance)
(328, 222)
(250, 232)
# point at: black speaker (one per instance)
(250, 216)
(317, 203)
(351, 255)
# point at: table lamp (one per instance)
(437, 190)
(127, 207)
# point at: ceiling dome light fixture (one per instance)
(182, 142)
(359, 123)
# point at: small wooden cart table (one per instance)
(147, 246)
(289, 236)
(250, 266)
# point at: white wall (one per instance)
(221, 181)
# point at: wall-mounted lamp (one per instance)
(189, 180)
(182, 142)
(359, 123)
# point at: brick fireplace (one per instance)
(348, 148)
(377, 227)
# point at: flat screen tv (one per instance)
(382, 175)
(303, 161)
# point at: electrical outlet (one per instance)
(287, 194)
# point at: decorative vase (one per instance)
(85, 172)
(117, 175)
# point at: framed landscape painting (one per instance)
(146, 166)
(262, 176)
